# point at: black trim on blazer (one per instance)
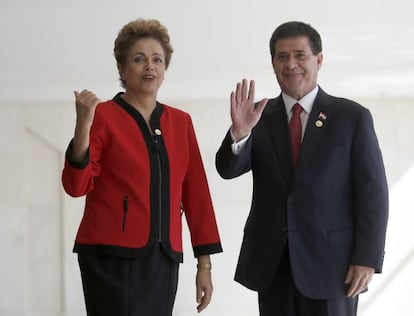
(76, 164)
(158, 163)
(210, 248)
(118, 251)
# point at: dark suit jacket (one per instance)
(331, 212)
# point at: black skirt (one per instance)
(141, 286)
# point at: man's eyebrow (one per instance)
(295, 51)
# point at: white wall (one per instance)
(38, 221)
(50, 47)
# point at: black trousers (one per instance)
(284, 299)
(141, 286)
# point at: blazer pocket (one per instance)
(340, 236)
(124, 212)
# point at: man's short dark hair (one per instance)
(293, 29)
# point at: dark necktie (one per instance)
(295, 130)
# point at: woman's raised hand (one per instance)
(86, 102)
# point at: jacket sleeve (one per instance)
(197, 203)
(230, 165)
(78, 177)
(370, 195)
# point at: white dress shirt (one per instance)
(306, 103)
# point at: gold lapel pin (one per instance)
(321, 118)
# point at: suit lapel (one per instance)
(318, 118)
(278, 127)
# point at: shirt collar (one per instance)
(306, 102)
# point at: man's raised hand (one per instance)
(244, 112)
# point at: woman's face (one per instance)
(144, 68)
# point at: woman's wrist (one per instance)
(204, 263)
(206, 266)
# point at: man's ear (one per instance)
(273, 64)
(319, 58)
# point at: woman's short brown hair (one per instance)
(136, 30)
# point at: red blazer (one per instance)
(138, 184)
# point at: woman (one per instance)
(138, 163)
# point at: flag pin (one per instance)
(321, 118)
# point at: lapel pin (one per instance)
(321, 118)
(157, 132)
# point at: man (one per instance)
(315, 234)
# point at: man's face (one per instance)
(295, 66)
